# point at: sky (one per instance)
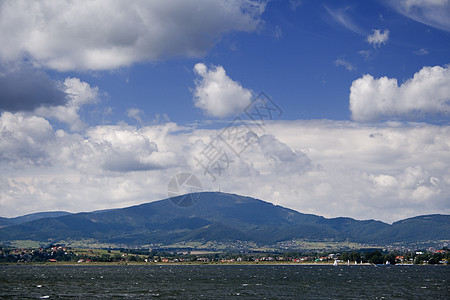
(336, 108)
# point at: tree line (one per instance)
(59, 253)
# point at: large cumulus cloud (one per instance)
(24, 139)
(426, 94)
(29, 90)
(217, 94)
(24, 89)
(78, 93)
(386, 171)
(99, 34)
(125, 149)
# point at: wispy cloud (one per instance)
(345, 64)
(421, 51)
(341, 16)
(135, 113)
(295, 3)
(434, 13)
(277, 32)
(367, 54)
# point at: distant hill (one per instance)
(420, 228)
(4, 222)
(221, 217)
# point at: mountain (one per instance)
(220, 217)
(420, 228)
(4, 222)
(39, 215)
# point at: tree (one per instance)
(374, 257)
(390, 258)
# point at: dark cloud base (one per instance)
(24, 89)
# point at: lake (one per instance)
(225, 281)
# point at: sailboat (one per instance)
(335, 263)
(348, 262)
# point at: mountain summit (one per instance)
(213, 216)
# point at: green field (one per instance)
(306, 245)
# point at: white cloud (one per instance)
(78, 93)
(124, 149)
(385, 180)
(135, 113)
(377, 38)
(279, 156)
(386, 171)
(433, 13)
(217, 94)
(24, 139)
(427, 93)
(100, 34)
(345, 64)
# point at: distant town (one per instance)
(62, 254)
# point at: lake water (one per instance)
(226, 281)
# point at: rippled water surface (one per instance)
(215, 281)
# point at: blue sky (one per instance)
(121, 97)
(293, 56)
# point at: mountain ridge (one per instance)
(221, 217)
(4, 222)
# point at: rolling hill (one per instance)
(4, 222)
(220, 217)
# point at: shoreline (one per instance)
(200, 264)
